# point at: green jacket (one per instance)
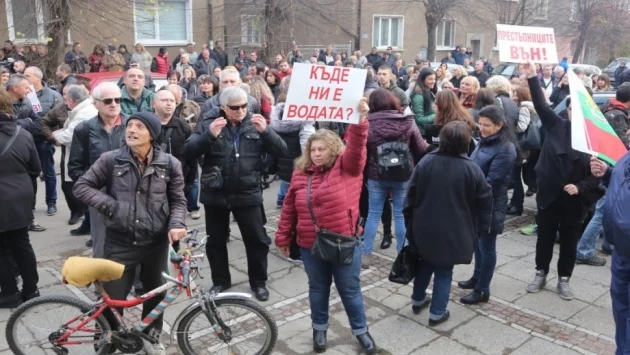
(422, 117)
(129, 106)
(399, 93)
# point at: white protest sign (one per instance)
(519, 44)
(32, 97)
(324, 93)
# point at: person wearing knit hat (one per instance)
(151, 123)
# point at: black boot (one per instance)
(10, 301)
(367, 343)
(387, 241)
(475, 297)
(514, 211)
(319, 341)
(468, 284)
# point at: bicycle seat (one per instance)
(80, 271)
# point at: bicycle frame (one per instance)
(175, 289)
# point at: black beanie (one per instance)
(153, 123)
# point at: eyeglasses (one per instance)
(237, 107)
(109, 101)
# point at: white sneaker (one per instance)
(153, 349)
(195, 215)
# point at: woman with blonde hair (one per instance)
(458, 75)
(189, 82)
(315, 202)
(468, 91)
(143, 58)
(261, 91)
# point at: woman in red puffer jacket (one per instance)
(337, 176)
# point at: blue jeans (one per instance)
(193, 196)
(485, 261)
(320, 275)
(282, 192)
(441, 287)
(46, 152)
(378, 193)
(619, 286)
(586, 246)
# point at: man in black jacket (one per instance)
(220, 53)
(233, 145)
(23, 112)
(90, 140)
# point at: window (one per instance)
(21, 17)
(387, 31)
(575, 10)
(446, 34)
(163, 22)
(251, 29)
(540, 9)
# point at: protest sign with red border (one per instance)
(519, 44)
(324, 93)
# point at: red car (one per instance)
(159, 80)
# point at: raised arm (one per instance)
(354, 157)
(547, 116)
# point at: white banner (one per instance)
(324, 93)
(519, 44)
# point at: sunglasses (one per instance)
(109, 101)
(237, 107)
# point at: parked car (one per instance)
(505, 69)
(588, 69)
(96, 78)
(612, 67)
(600, 98)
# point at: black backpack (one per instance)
(394, 161)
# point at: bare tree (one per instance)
(435, 10)
(583, 12)
(609, 23)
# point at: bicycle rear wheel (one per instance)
(35, 325)
(252, 330)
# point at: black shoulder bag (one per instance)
(331, 247)
(11, 140)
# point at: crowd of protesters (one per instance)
(205, 138)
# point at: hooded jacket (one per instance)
(334, 195)
(19, 165)
(295, 134)
(387, 126)
(616, 114)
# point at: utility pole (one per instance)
(210, 30)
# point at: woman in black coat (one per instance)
(566, 190)
(20, 164)
(430, 215)
(495, 154)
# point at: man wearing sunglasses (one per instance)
(233, 145)
(228, 78)
(90, 140)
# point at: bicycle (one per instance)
(88, 331)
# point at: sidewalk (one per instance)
(513, 322)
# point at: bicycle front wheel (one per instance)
(36, 326)
(250, 330)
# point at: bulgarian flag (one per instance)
(590, 131)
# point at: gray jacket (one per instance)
(139, 209)
(48, 98)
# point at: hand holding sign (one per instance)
(363, 110)
(598, 167)
(530, 69)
